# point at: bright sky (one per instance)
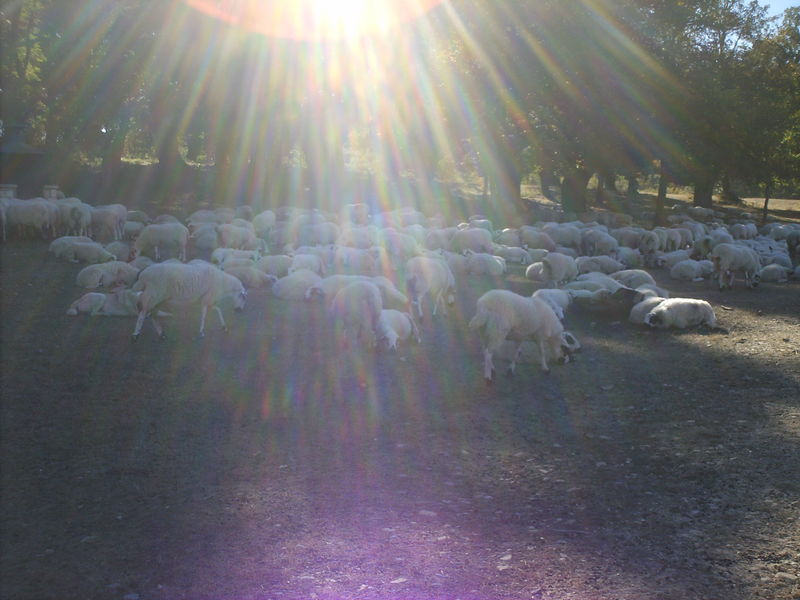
(776, 7)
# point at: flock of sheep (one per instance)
(379, 274)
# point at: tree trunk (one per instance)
(573, 190)
(728, 195)
(767, 194)
(600, 192)
(703, 191)
(548, 180)
(661, 199)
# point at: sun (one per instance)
(318, 20)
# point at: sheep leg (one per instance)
(221, 320)
(488, 365)
(157, 326)
(542, 352)
(139, 321)
(203, 311)
(512, 367)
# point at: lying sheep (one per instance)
(641, 309)
(681, 313)
(119, 303)
(730, 258)
(357, 308)
(633, 278)
(87, 252)
(430, 276)
(774, 273)
(176, 284)
(106, 274)
(692, 270)
(394, 326)
(502, 315)
(159, 237)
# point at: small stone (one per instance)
(427, 513)
(503, 567)
(506, 557)
(399, 580)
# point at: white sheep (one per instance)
(641, 309)
(60, 246)
(633, 278)
(667, 260)
(357, 308)
(221, 255)
(294, 286)
(513, 254)
(122, 250)
(502, 315)
(119, 303)
(558, 300)
(158, 237)
(176, 284)
(75, 216)
(531, 237)
(430, 276)
(730, 258)
(631, 258)
(264, 223)
(559, 268)
(681, 313)
(394, 326)
(774, 273)
(691, 270)
(250, 276)
(312, 262)
(601, 264)
(275, 264)
(106, 274)
(36, 214)
(109, 221)
(475, 239)
(535, 272)
(481, 263)
(87, 252)
(243, 238)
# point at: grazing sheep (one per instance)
(681, 313)
(357, 308)
(221, 255)
(667, 260)
(158, 237)
(119, 303)
(109, 221)
(531, 237)
(502, 315)
(508, 237)
(233, 236)
(37, 214)
(60, 246)
(312, 262)
(264, 223)
(430, 276)
(480, 263)
(275, 264)
(730, 258)
(559, 268)
(475, 239)
(631, 258)
(106, 274)
(294, 286)
(597, 241)
(177, 284)
(122, 250)
(394, 326)
(641, 309)
(250, 276)
(512, 254)
(774, 273)
(535, 272)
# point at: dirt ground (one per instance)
(268, 463)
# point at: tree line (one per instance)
(702, 92)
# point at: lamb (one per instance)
(502, 315)
(559, 268)
(184, 284)
(641, 309)
(394, 326)
(106, 274)
(357, 307)
(119, 303)
(774, 273)
(681, 313)
(294, 286)
(691, 270)
(160, 236)
(667, 260)
(430, 276)
(729, 258)
(558, 300)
